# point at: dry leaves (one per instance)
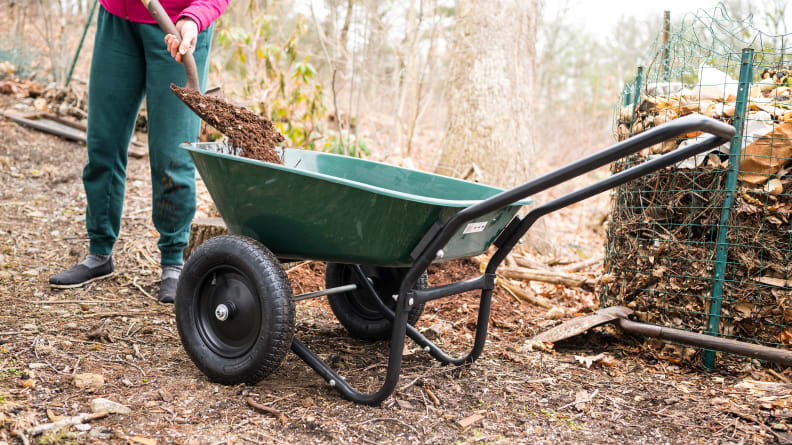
(601, 358)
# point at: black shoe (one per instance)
(170, 279)
(167, 291)
(81, 274)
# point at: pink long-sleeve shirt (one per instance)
(202, 12)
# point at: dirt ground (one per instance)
(512, 394)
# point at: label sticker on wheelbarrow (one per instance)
(475, 227)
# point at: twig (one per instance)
(545, 276)
(525, 262)
(431, 395)
(124, 362)
(118, 314)
(581, 265)
(74, 302)
(267, 409)
(519, 293)
(590, 398)
(69, 421)
(148, 256)
(298, 266)
(270, 402)
(134, 283)
(778, 376)
(510, 292)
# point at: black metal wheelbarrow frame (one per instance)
(234, 307)
(433, 242)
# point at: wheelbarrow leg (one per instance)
(435, 351)
(394, 362)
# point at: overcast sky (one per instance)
(599, 17)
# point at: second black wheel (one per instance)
(356, 310)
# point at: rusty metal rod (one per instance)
(775, 355)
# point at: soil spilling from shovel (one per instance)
(256, 136)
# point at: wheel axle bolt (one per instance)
(395, 297)
(411, 302)
(440, 254)
(426, 348)
(332, 382)
(221, 312)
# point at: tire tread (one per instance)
(279, 332)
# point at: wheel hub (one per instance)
(228, 314)
(222, 312)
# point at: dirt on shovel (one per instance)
(254, 135)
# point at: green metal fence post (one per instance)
(721, 250)
(636, 98)
(627, 96)
(82, 39)
(666, 52)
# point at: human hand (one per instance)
(189, 34)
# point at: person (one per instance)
(133, 58)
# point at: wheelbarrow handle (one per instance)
(724, 132)
(166, 25)
(515, 230)
(438, 238)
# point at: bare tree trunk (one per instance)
(489, 135)
(406, 80)
(345, 28)
(490, 98)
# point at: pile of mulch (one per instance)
(662, 250)
(254, 135)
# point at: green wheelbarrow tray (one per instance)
(333, 208)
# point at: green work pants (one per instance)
(130, 61)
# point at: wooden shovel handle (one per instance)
(161, 17)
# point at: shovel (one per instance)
(243, 127)
(619, 314)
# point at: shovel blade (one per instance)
(579, 325)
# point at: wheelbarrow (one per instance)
(378, 227)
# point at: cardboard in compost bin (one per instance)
(766, 155)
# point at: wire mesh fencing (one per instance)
(706, 245)
(18, 57)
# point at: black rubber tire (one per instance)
(355, 310)
(243, 274)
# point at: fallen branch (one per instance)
(547, 276)
(581, 265)
(68, 421)
(75, 302)
(267, 409)
(525, 262)
(521, 294)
